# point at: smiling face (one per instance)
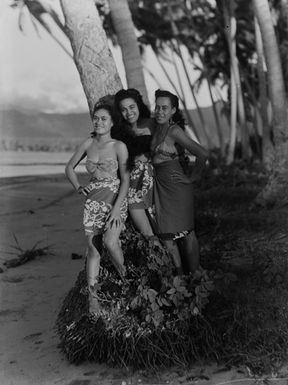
(102, 122)
(163, 110)
(129, 110)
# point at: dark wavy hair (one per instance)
(107, 107)
(123, 131)
(144, 112)
(177, 117)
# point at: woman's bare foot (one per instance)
(94, 306)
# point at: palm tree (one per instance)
(267, 146)
(126, 37)
(38, 11)
(92, 55)
(276, 189)
(122, 23)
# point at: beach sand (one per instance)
(46, 209)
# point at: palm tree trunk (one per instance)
(188, 9)
(267, 147)
(176, 47)
(125, 30)
(199, 111)
(218, 128)
(180, 82)
(92, 55)
(181, 98)
(233, 117)
(277, 186)
(230, 36)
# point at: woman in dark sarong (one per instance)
(135, 130)
(105, 209)
(173, 189)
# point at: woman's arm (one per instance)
(78, 155)
(122, 156)
(201, 154)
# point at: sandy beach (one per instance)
(46, 209)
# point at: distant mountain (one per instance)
(16, 124)
(26, 130)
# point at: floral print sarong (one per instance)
(99, 202)
(141, 185)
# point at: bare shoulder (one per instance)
(175, 130)
(86, 144)
(119, 145)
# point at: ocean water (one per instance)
(24, 163)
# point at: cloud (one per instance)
(35, 73)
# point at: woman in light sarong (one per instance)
(105, 209)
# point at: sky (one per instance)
(36, 75)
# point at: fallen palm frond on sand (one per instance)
(25, 256)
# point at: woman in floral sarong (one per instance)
(135, 130)
(173, 189)
(105, 209)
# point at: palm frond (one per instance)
(18, 247)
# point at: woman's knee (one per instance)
(141, 221)
(111, 242)
(92, 252)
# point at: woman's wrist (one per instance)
(83, 190)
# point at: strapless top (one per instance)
(106, 168)
(164, 152)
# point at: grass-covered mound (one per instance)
(234, 311)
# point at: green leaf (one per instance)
(177, 281)
(171, 291)
(165, 302)
(154, 306)
(152, 295)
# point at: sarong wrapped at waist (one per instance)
(173, 199)
(141, 185)
(99, 202)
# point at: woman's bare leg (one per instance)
(141, 222)
(92, 271)
(190, 251)
(143, 225)
(112, 243)
(174, 251)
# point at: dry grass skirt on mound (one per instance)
(152, 320)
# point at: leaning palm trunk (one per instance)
(218, 128)
(230, 36)
(180, 82)
(125, 30)
(267, 147)
(181, 97)
(92, 55)
(176, 47)
(277, 186)
(233, 118)
(191, 51)
(199, 111)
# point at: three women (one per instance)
(108, 162)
